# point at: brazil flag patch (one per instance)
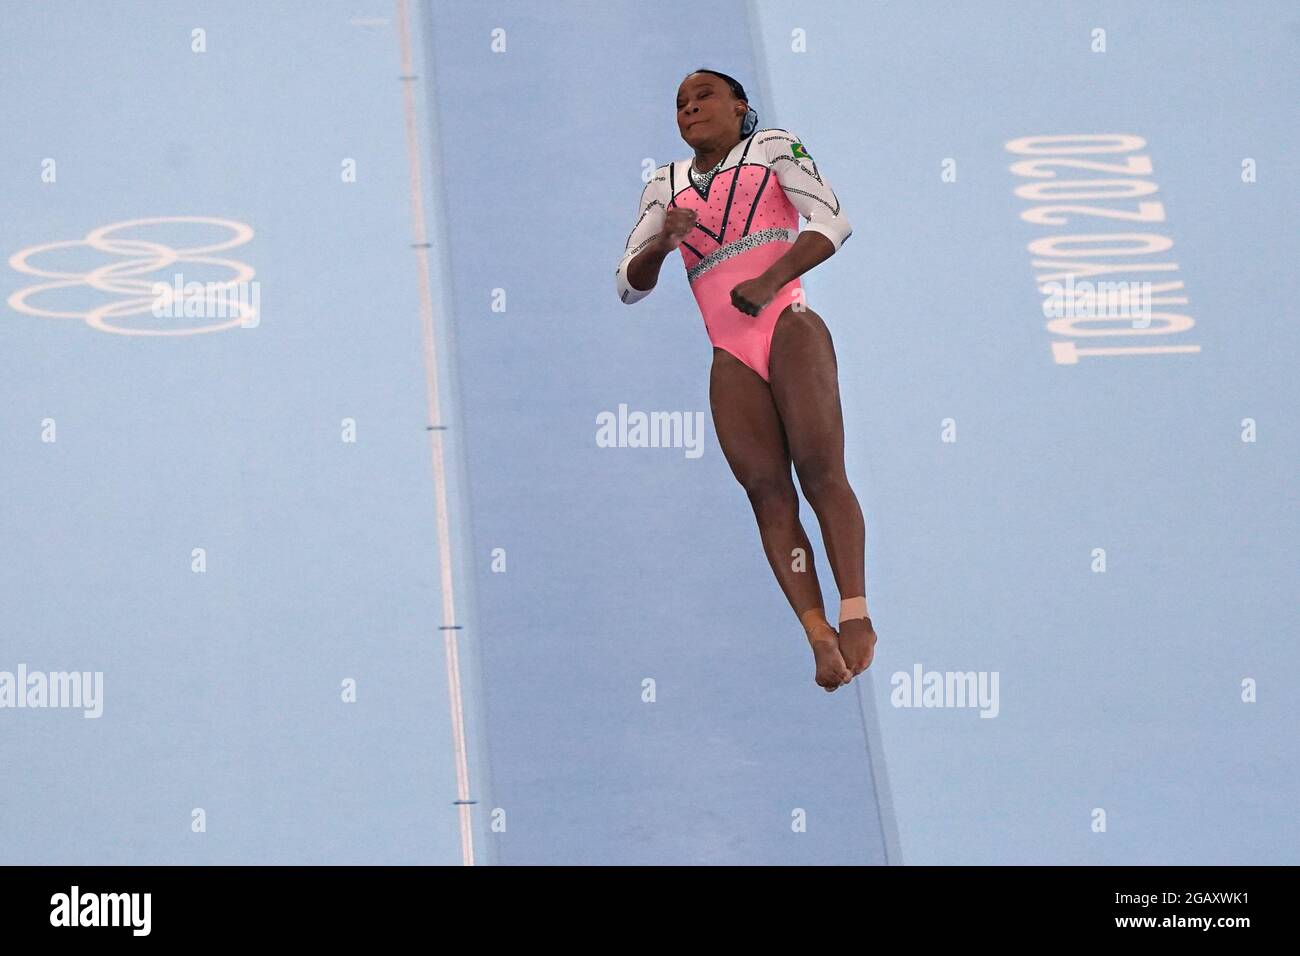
(799, 151)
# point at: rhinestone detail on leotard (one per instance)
(702, 180)
(751, 241)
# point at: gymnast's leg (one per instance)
(805, 387)
(749, 431)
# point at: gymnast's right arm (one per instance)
(657, 232)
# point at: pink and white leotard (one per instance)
(747, 218)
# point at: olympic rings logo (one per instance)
(124, 278)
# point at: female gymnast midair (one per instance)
(733, 211)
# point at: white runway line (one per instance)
(421, 245)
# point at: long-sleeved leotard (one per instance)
(746, 219)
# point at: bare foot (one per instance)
(831, 669)
(857, 644)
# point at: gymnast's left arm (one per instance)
(808, 191)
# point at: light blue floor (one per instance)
(584, 574)
(222, 690)
(1118, 691)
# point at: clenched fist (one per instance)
(677, 223)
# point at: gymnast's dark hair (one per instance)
(750, 123)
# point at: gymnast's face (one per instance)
(708, 113)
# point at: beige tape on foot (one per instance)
(853, 608)
(814, 621)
